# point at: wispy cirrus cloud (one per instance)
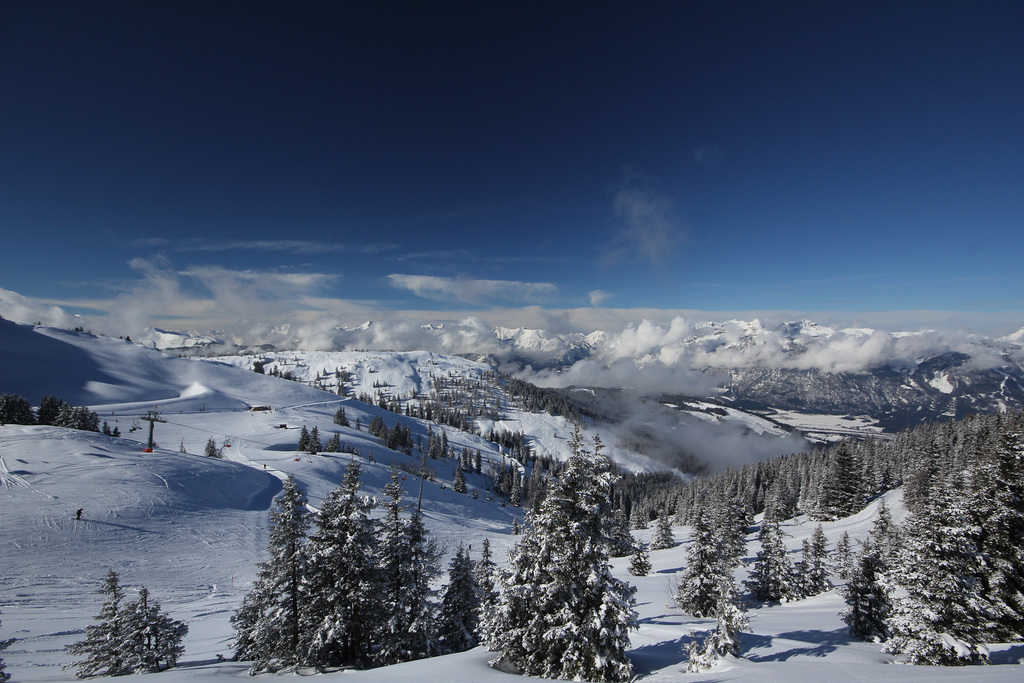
(270, 246)
(651, 230)
(215, 294)
(472, 291)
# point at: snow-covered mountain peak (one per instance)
(156, 338)
(1016, 338)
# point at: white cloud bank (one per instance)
(665, 350)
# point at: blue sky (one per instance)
(203, 161)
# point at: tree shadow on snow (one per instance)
(818, 644)
(657, 656)
(1011, 655)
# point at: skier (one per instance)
(78, 515)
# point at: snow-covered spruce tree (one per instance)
(268, 623)
(999, 500)
(725, 639)
(560, 612)
(485, 575)
(16, 410)
(460, 606)
(4, 676)
(339, 417)
(638, 519)
(152, 640)
(868, 604)
(340, 587)
(663, 538)
(867, 600)
(812, 569)
(211, 450)
(697, 588)
(104, 646)
(780, 502)
(940, 616)
(409, 561)
(333, 444)
(730, 527)
(771, 579)
(49, 409)
(839, 494)
(78, 417)
(459, 485)
(303, 444)
(620, 541)
(842, 563)
(314, 446)
(640, 563)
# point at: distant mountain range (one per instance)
(898, 378)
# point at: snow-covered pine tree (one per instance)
(638, 519)
(152, 639)
(485, 575)
(771, 579)
(211, 450)
(409, 561)
(812, 569)
(839, 494)
(314, 446)
(730, 527)
(697, 588)
(340, 578)
(303, 444)
(940, 616)
(339, 417)
(333, 445)
(780, 502)
(999, 500)
(268, 623)
(868, 604)
(104, 646)
(640, 563)
(885, 534)
(459, 485)
(663, 538)
(620, 541)
(725, 639)
(460, 606)
(842, 563)
(867, 600)
(560, 613)
(15, 409)
(515, 495)
(49, 409)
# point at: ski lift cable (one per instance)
(233, 437)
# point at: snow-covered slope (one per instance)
(87, 370)
(190, 529)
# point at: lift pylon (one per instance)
(152, 417)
